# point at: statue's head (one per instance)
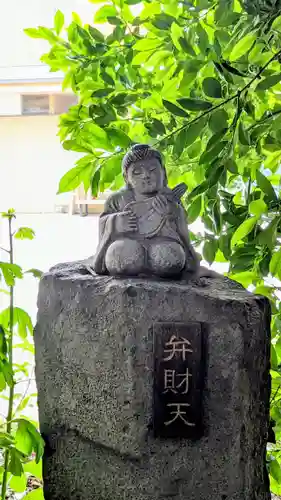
(143, 169)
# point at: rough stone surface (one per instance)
(94, 370)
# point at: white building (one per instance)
(32, 159)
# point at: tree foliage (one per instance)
(201, 81)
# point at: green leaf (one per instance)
(32, 32)
(107, 78)
(215, 139)
(211, 154)
(2, 382)
(95, 183)
(74, 177)
(15, 464)
(58, 21)
(23, 322)
(194, 209)
(268, 82)
(209, 250)
(18, 483)
(268, 235)
(203, 41)
(10, 214)
(257, 207)
(97, 136)
(186, 47)
(38, 493)
(10, 272)
(112, 168)
(199, 190)
(276, 25)
(77, 19)
(3, 343)
(243, 135)
(7, 371)
(273, 358)
(193, 131)
(275, 264)
(116, 21)
(118, 138)
(6, 440)
(159, 126)
(35, 272)
(265, 186)
(47, 34)
(163, 21)
(218, 120)
(215, 176)
(25, 233)
(28, 438)
(102, 92)
(212, 88)
(175, 110)
(96, 34)
(273, 161)
(176, 34)
(242, 47)
(194, 104)
(33, 468)
(245, 278)
(104, 12)
(243, 230)
(179, 143)
(24, 441)
(147, 44)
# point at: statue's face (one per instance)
(146, 176)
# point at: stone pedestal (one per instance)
(94, 370)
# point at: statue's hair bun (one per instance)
(140, 152)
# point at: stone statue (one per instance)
(143, 230)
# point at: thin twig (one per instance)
(24, 394)
(4, 249)
(276, 392)
(260, 122)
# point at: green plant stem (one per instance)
(231, 98)
(10, 351)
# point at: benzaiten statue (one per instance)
(143, 230)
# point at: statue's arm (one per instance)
(192, 262)
(106, 231)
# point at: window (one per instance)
(37, 104)
(44, 104)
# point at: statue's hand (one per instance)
(179, 190)
(126, 222)
(160, 204)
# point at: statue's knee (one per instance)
(166, 260)
(125, 257)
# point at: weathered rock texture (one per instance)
(94, 369)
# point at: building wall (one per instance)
(10, 103)
(32, 161)
(31, 158)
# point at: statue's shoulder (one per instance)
(117, 201)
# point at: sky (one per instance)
(19, 50)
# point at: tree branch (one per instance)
(235, 96)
